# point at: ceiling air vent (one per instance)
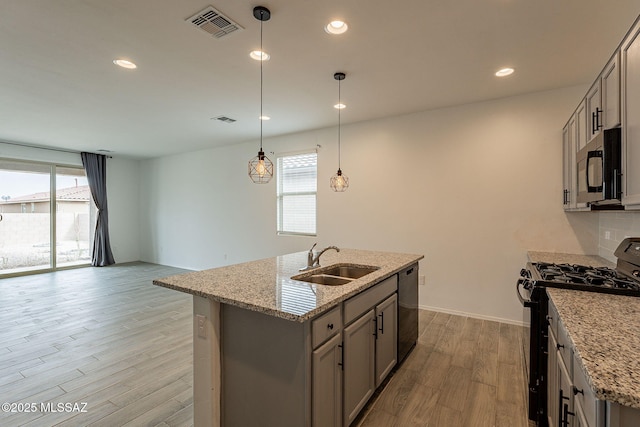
(214, 22)
(224, 119)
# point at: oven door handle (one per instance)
(525, 302)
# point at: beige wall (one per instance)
(472, 188)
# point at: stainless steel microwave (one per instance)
(599, 169)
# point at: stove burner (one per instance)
(587, 278)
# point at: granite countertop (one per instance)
(562, 258)
(605, 331)
(266, 286)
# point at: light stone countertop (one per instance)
(562, 258)
(605, 331)
(266, 286)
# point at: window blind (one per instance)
(297, 184)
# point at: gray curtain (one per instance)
(95, 165)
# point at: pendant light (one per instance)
(339, 182)
(260, 167)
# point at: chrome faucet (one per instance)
(313, 261)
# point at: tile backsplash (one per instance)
(613, 227)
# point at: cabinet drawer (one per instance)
(361, 303)
(564, 346)
(585, 396)
(552, 319)
(326, 326)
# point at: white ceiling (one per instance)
(59, 87)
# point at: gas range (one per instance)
(531, 290)
(581, 277)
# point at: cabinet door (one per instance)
(359, 365)
(567, 166)
(565, 395)
(327, 384)
(594, 110)
(610, 81)
(580, 420)
(552, 383)
(386, 337)
(630, 83)
(581, 126)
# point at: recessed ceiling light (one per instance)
(264, 118)
(125, 64)
(336, 27)
(339, 106)
(259, 55)
(504, 72)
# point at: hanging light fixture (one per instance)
(339, 182)
(260, 167)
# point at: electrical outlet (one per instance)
(202, 325)
(421, 280)
(607, 235)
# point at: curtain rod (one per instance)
(62, 150)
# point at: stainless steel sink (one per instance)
(350, 271)
(325, 279)
(336, 275)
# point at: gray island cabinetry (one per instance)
(272, 350)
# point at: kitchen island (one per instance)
(257, 336)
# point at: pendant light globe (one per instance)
(339, 182)
(260, 167)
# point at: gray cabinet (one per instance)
(593, 107)
(552, 381)
(630, 83)
(327, 384)
(359, 365)
(386, 337)
(569, 165)
(610, 84)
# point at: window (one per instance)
(297, 184)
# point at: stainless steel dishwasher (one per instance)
(407, 310)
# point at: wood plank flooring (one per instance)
(462, 372)
(108, 337)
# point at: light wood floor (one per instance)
(108, 337)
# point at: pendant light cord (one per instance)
(261, 90)
(339, 108)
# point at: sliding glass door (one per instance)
(45, 217)
(73, 217)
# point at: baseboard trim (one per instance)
(474, 315)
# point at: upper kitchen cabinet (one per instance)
(610, 87)
(568, 165)
(581, 136)
(603, 100)
(630, 85)
(593, 104)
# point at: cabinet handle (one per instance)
(566, 413)
(341, 362)
(330, 326)
(409, 271)
(594, 126)
(577, 391)
(549, 318)
(381, 329)
(560, 346)
(616, 174)
(375, 326)
(598, 115)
